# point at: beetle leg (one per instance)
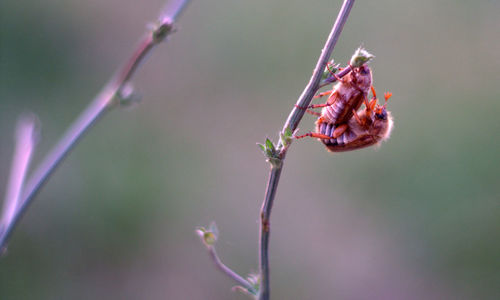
(373, 91)
(387, 95)
(323, 94)
(328, 64)
(365, 100)
(314, 113)
(338, 78)
(371, 104)
(313, 135)
(339, 130)
(308, 111)
(356, 117)
(319, 105)
(334, 75)
(329, 102)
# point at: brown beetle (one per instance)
(347, 96)
(371, 126)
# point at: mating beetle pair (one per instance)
(340, 126)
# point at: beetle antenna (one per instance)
(387, 95)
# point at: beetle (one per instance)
(346, 96)
(369, 127)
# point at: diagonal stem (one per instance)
(25, 140)
(102, 103)
(226, 270)
(292, 123)
(313, 85)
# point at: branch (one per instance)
(290, 126)
(313, 85)
(25, 140)
(103, 102)
(209, 236)
(226, 270)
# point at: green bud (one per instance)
(160, 29)
(208, 236)
(286, 137)
(331, 67)
(270, 145)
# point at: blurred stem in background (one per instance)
(25, 139)
(209, 236)
(117, 91)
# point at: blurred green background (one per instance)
(417, 219)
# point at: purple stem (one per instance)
(292, 123)
(226, 270)
(104, 101)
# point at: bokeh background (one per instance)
(418, 218)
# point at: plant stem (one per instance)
(226, 270)
(25, 140)
(265, 230)
(313, 85)
(292, 123)
(103, 102)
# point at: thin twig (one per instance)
(226, 270)
(292, 123)
(265, 230)
(25, 140)
(103, 102)
(209, 237)
(313, 85)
